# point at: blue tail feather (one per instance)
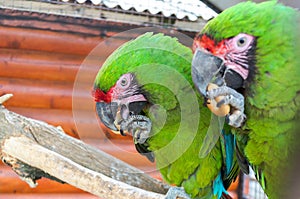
(218, 187)
(229, 150)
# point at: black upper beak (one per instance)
(107, 114)
(205, 67)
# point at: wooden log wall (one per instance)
(40, 56)
(39, 59)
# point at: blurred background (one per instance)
(43, 45)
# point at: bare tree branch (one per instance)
(5, 97)
(27, 151)
(35, 149)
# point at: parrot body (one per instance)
(154, 71)
(259, 46)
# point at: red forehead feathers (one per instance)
(100, 96)
(205, 42)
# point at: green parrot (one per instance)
(145, 89)
(251, 52)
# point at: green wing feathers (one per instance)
(162, 66)
(272, 98)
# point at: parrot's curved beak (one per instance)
(205, 69)
(107, 114)
(112, 114)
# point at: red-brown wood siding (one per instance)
(40, 56)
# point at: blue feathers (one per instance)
(229, 150)
(228, 144)
(218, 187)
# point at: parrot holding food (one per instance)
(250, 54)
(145, 90)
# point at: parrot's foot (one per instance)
(236, 119)
(139, 127)
(176, 193)
(231, 97)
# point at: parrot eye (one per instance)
(124, 82)
(241, 41)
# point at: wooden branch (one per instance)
(35, 149)
(27, 151)
(5, 97)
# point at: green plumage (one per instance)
(163, 67)
(272, 98)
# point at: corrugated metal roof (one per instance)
(192, 9)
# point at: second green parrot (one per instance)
(251, 51)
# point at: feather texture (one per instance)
(272, 96)
(162, 67)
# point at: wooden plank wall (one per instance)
(40, 56)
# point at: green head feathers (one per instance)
(251, 18)
(275, 27)
(147, 50)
